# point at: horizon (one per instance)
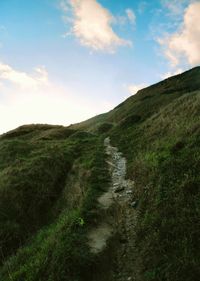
(65, 61)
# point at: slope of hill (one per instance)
(147, 101)
(51, 177)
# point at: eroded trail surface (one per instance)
(120, 197)
(126, 215)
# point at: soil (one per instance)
(121, 221)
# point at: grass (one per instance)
(30, 183)
(164, 159)
(49, 242)
(51, 176)
(158, 132)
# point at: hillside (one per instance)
(51, 179)
(148, 101)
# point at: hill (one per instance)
(52, 176)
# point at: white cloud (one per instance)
(184, 45)
(175, 7)
(92, 25)
(27, 99)
(64, 6)
(134, 88)
(41, 75)
(129, 18)
(23, 79)
(131, 15)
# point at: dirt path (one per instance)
(126, 215)
(120, 197)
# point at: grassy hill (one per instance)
(147, 101)
(51, 176)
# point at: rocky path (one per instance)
(120, 197)
(126, 215)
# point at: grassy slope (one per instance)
(36, 217)
(164, 160)
(158, 131)
(163, 155)
(31, 177)
(147, 101)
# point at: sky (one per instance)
(64, 61)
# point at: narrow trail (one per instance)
(120, 197)
(126, 214)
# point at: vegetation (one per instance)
(51, 176)
(34, 200)
(164, 159)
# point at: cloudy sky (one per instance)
(63, 61)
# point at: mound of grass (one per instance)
(105, 128)
(48, 244)
(33, 174)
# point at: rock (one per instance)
(134, 204)
(129, 278)
(119, 189)
(129, 192)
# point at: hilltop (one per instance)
(51, 179)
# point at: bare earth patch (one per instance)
(99, 236)
(120, 198)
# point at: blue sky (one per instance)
(63, 61)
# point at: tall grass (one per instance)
(58, 250)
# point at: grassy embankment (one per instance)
(38, 223)
(158, 130)
(164, 160)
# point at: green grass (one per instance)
(48, 236)
(51, 177)
(30, 183)
(158, 131)
(164, 160)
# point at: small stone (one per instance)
(134, 204)
(119, 189)
(129, 192)
(129, 278)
